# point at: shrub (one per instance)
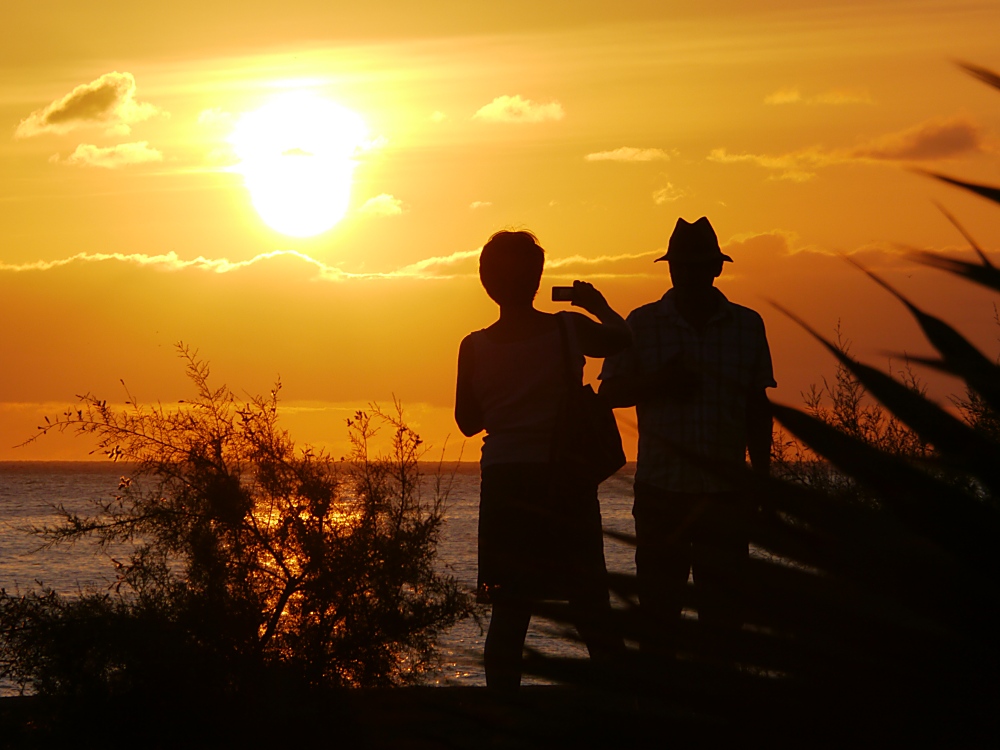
(845, 404)
(246, 558)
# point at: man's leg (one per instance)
(720, 562)
(662, 563)
(504, 645)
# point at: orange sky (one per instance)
(126, 227)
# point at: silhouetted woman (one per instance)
(539, 523)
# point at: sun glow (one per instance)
(297, 160)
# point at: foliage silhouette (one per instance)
(874, 599)
(243, 558)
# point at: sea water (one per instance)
(30, 490)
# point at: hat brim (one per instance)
(721, 256)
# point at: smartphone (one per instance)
(562, 294)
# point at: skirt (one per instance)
(540, 535)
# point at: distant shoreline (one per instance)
(99, 465)
(106, 462)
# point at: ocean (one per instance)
(28, 490)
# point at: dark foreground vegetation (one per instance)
(268, 580)
(240, 560)
(874, 614)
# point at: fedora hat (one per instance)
(694, 243)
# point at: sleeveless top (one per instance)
(519, 386)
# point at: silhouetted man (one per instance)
(697, 374)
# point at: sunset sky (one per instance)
(139, 192)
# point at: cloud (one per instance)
(112, 157)
(382, 205)
(216, 116)
(172, 262)
(438, 116)
(480, 204)
(786, 244)
(517, 109)
(794, 166)
(620, 266)
(934, 139)
(783, 96)
(107, 102)
(757, 252)
(751, 251)
(459, 264)
(776, 243)
(437, 267)
(667, 194)
(583, 260)
(941, 138)
(629, 153)
(426, 268)
(832, 97)
(165, 262)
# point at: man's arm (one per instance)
(759, 431)
(468, 415)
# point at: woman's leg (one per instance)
(590, 608)
(589, 597)
(504, 644)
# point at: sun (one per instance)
(297, 160)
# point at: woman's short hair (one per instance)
(510, 267)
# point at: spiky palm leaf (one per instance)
(871, 608)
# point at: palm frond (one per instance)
(935, 508)
(983, 74)
(968, 237)
(986, 191)
(984, 275)
(959, 355)
(956, 441)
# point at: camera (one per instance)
(562, 294)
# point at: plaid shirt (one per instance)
(733, 359)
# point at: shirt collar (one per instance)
(667, 307)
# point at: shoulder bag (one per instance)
(586, 436)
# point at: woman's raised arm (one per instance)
(603, 339)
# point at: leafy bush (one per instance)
(844, 404)
(246, 558)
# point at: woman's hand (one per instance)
(604, 339)
(587, 296)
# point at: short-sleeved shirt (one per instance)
(519, 386)
(731, 355)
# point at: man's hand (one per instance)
(759, 431)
